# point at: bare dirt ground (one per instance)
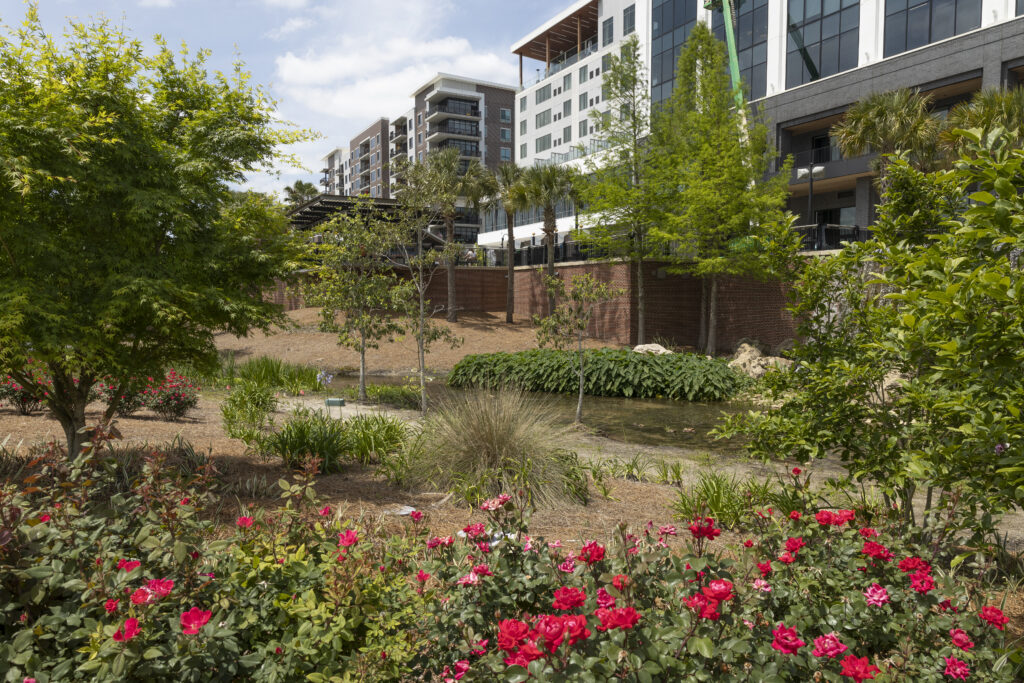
(306, 345)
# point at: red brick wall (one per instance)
(611, 320)
(747, 308)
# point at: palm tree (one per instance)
(989, 109)
(299, 193)
(895, 122)
(503, 190)
(545, 187)
(451, 182)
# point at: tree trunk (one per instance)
(712, 317)
(641, 327)
(420, 332)
(362, 366)
(579, 404)
(449, 231)
(551, 233)
(510, 296)
(702, 334)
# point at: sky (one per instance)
(333, 66)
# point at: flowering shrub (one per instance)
(26, 398)
(131, 395)
(136, 585)
(173, 398)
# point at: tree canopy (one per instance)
(123, 248)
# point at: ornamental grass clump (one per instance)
(480, 443)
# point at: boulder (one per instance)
(751, 362)
(656, 349)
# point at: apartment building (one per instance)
(334, 168)
(803, 64)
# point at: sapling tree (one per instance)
(616, 185)
(567, 324)
(123, 249)
(359, 293)
(415, 213)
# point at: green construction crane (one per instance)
(729, 17)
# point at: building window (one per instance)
(419, 119)
(628, 20)
(419, 138)
(506, 154)
(506, 115)
(567, 82)
(606, 62)
(607, 31)
(522, 104)
(583, 101)
(822, 39)
(542, 119)
(542, 144)
(583, 74)
(522, 151)
(378, 138)
(420, 157)
(506, 135)
(584, 127)
(567, 134)
(911, 24)
(542, 94)
(567, 108)
(522, 127)
(752, 43)
(1020, 7)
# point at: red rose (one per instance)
(567, 598)
(858, 668)
(786, 640)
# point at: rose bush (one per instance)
(140, 585)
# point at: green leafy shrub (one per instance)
(275, 373)
(608, 372)
(309, 433)
(370, 438)
(910, 372)
(398, 395)
(26, 397)
(480, 443)
(246, 413)
(726, 497)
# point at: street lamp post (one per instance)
(810, 173)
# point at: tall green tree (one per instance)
(566, 326)
(504, 191)
(717, 213)
(354, 283)
(299, 193)
(544, 187)
(122, 247)
(615, 189)
(891, 123)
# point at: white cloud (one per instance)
(156, 3)
(346, 67)
(291, 26)
(287, 4)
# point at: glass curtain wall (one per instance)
(671, 23)
(822, 39)
(751, 43)
(911, 24)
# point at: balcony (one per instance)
(829, 236)
(836, 165)
(453, 128)
(470, 152)
(443, 111)
(364, 152)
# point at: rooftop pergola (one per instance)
(564, 33)
(323, 207)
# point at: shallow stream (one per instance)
(651, 422)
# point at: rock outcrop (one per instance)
(656, 349)
(751, 362)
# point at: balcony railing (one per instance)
(456, 109)
(446, 128)
(830, 236)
